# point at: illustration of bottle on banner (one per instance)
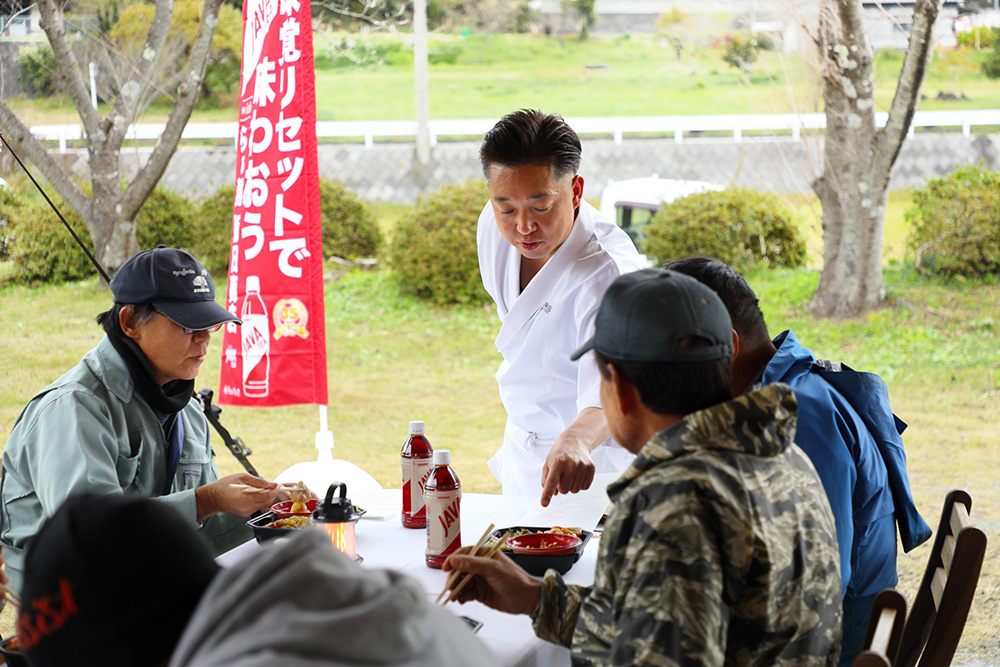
(256, 341)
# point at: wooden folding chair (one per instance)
(941, 606)
(885, 630)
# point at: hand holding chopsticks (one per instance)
(453, 595)
(475, 552)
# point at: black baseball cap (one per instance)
(111, 580)
(173, 282)
(646, 314)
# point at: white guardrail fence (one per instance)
(616, 127)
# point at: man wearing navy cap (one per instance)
(720, 547)
(124, 420)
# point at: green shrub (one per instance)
(956, 223)
(214, 229)
(985, 34)
(37, 71)
(10, 203)
(739, 226)
(42, 249)
(991, 66)
(166, 218)
(741, 52)
(765, 42)
(349, 228)
(433, 250)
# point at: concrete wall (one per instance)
(387, 171)
(9, 51)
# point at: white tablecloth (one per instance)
(388, 544)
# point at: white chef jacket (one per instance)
(543, 391)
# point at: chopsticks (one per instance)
(13, 598)
(475, 552)
(246, 488)
(465, 580)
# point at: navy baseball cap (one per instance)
(173, 282)
(645, 315)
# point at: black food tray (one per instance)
(536, 565)
(260, 530)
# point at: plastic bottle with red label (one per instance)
(443, 495)
(416, 459)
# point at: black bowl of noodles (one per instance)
(537, 564)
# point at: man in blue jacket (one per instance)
(847, 428)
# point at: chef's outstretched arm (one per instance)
(569, 467)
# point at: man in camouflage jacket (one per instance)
(720, 548)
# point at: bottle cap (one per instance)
(417, 427)
(253, 283)
(442, 457)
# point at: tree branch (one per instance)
(130, 94)
(147, 177)
(69, 70)
(39, 155)
(915, 64)
(389, 23)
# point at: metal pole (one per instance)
(420, 65)
(93, 84)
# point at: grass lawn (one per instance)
(487, 75)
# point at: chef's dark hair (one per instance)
(741, 302)
(675, 387)
(528, 136)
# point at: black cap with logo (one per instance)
(173, 282)
(646, 314)
(111, 580)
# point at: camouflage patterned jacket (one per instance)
(720, 550)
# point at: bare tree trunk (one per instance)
(858, 158)
(109, 212)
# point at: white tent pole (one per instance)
(324, 438)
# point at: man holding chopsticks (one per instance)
(124, 420)
(720, 546)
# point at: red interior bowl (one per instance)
(283, 509)
(547, 544)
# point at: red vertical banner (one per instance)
(278, 356)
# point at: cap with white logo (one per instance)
(173, 282)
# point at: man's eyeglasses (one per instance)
(192, 332)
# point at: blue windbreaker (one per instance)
(847, 428)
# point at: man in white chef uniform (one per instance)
(547, 257)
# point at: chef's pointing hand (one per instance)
(569, 467)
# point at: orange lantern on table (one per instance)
(337, 516)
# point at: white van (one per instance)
(633, 202)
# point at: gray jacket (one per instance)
(300, 603)
(90, 431)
